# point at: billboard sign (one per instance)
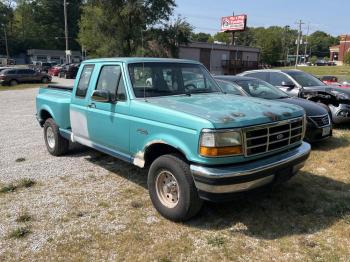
(233, 23)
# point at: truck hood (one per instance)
(227, 111)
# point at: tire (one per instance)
(44, 80)
(13, 82)
(170, 169)
(55, 143)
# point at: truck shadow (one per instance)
(306, 204)
(331, 143)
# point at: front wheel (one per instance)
(172, 189)
(55, 143)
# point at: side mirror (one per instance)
(102, 96)
(289, 84)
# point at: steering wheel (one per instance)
(187, 87)
(262, 93)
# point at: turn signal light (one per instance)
(220, 151)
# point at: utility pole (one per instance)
(298, 44)
(307, 41)
(66, 30)
(6, 44)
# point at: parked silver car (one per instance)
(300, 84)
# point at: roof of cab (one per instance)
(129, 60)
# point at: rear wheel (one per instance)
(172, 189)
(55, 143)
(13, 83)
(45, 80)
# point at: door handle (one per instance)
(92, 105)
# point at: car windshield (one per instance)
(229, 88)
(305, 80)
(261, 89)
(153, 79)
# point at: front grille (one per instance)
(320, 121)
(267, 138)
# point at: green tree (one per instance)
(117, 27)
(200, 37)
(320, 42)
(222, 37)
(172, 35)
(347, 58)
(313, 59)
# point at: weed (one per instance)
(26, 182)
(20, 232)
(21, 159)
(24, 217)
(216, 241)
(8, 188)
(136, 204)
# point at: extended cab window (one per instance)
(111, 80)
(84, 80)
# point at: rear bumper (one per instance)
(216, 183)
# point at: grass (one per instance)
(342, 72)
(23, 183)
(23, 217)
(109, 216)
(20, 232)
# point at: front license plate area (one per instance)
(326, 131)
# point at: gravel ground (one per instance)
(87, 206)
(76, 185)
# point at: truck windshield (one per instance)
(152, 79)
(305, 80)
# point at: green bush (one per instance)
(347, 58)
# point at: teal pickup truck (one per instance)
(171, 117)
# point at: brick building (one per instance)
(337, 53)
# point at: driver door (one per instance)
(108, 122)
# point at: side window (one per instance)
(108, 79)
(22, 71)
(260, 75)
(276, 79)
(84, 80)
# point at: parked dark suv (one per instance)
(14, 76)
(69, 71)
(300, 84)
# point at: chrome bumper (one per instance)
(250, 175)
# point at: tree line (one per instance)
(132, 28)
(276, 42)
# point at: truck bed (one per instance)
(60, 87)
(54, 100)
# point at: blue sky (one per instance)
(332, 17)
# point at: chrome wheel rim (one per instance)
(167, 189)
(50, 137)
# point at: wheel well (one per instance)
(44, 115)
(156, 150)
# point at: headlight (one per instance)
(215, 143)
(340, 95)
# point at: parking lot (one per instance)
(89, 206)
